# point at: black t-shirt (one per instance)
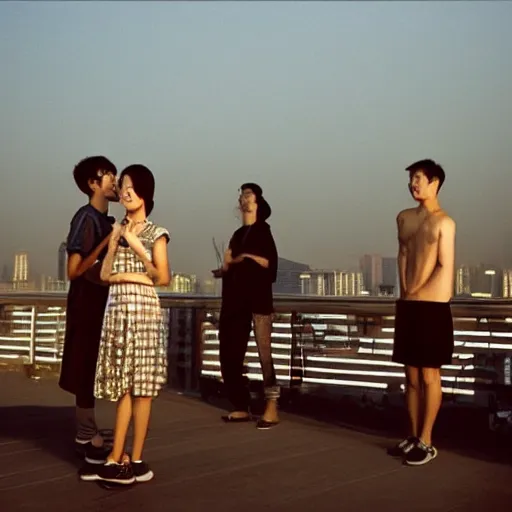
(88, 228)
(248, 285)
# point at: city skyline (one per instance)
(377, 275)
(324, 112)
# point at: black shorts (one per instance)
(423, 334)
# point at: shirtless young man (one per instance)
(423, 322)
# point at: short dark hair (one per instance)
(143, 184)
(430, 169)
(89, 169)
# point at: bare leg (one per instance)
(271, 415)
(123, 416)
(433, 398)
(263, 335)
(141, 414)
(97, 441)
(413, 396)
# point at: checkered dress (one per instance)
(133, 347)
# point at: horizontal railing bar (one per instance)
(363, 306)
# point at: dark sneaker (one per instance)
(420, 454)
(88, 473)
(401, 449)
(81, 446)
(110, 472)
(94, 455)
(142, 472)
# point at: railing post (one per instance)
(296, 363)
(182, 348)
(170, 347)
(197, 348)
(188, 345)
(32, 345)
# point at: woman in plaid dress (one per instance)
(132, 361)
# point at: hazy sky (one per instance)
(323, 104)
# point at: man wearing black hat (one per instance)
(249, 269)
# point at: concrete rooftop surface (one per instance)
(201, 464)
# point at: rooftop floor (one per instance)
(202, 464)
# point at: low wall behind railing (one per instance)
(318, 342)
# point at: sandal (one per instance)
(228, 418)
(266, 425)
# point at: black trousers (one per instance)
(234, 333)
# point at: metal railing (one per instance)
(318, 343)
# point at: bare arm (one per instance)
(445, 257)
(402, 259)
(158, 268)
(140, 251)
(106, 267)
(446, 253)
(265, 247)
(78, 265)
(228, 260)
(258, 259)
(131, 277)
(93, 274)
(162, 273)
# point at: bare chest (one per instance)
(419, 234)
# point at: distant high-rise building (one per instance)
(62, 274)
(183, 283)
(331, 282)
(507, 284)
(370, 266)
(387, 290)
(288, 276)
(209, 287)
(5, 274)
(350, 284)
(482, 281)
(50, 284)
(20, 274)
(462, 281)
(313, 282)
(389, 276)
(486, 281)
